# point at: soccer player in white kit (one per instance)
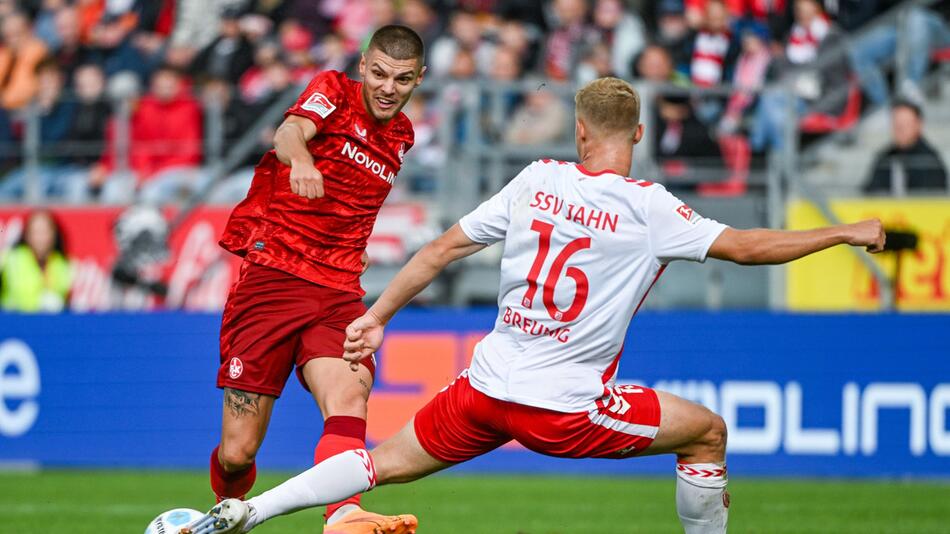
(583, 246)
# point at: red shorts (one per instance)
(274, 321)
(461, 423)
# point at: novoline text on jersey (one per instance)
(379, 169)
(590, 217)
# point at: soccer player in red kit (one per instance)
(302, 231)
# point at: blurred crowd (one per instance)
(178, 61)
(125, 100)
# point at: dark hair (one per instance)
(48, 63)
(59, 244)
(909, 104)
(398, 42)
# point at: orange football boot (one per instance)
(363, 522)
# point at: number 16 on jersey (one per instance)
(545, 230)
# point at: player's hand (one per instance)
(363, 338)
(364, 261)
(869, 233)
(306, 180)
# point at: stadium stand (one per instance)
(109, 105)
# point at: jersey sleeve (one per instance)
(676, 232)
(488, 223)
(323, 95)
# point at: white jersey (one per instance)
(581, 253)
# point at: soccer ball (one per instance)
(169, 522)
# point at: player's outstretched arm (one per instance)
(764, 247)
(290, 144)
(365, 334)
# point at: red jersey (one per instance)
(322, 240)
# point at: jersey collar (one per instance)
(584, 170)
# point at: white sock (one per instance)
(340, 512)
(701, 499)
(332, 480)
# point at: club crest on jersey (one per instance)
(686, 212)
(319, 104)
(236, 368)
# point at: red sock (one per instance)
(340, 433)
(230, 485)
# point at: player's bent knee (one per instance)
(717, 434)
(236, 456)
(345, 401)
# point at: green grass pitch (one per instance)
(123, 502)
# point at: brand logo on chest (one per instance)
(360, 158)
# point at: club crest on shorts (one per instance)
(236, 368)
(319, 104)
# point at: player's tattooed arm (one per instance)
(242, 403)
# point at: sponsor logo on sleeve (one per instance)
(319, 104)
(686, 213)
(402, 152)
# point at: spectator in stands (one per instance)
(426, 154)
(197, 23)
(712, 55)
(568, 38)
(111, 45)
(655, 64)
(678, 135)
(88, 130)
(595, 64)
(909, 164)
(419, 15)
(748, 76)
(36, 276)
(817, 85)
(55, 116)
(622, 32)
(673, 32)
(69, 50)
(923, 32)
(166, 145)
(515, 36)
(713, 48)
(464, 37)
(464, 66)
(331, 54)
(253, 84)
(775, 15)
(229, 54)
(542, 118)
(506, 66)
(20, 53)
(296, 43)
(44, 25)
(56, 112)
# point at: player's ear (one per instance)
(422, 73)
(580, 129)
(362, 66)
(638, 134)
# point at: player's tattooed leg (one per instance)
(242, 402)
(366, 386)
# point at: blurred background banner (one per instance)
(836, 279)
(803, 395)
(133, 259)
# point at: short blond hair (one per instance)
(609, 106)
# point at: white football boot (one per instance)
(227, 517)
